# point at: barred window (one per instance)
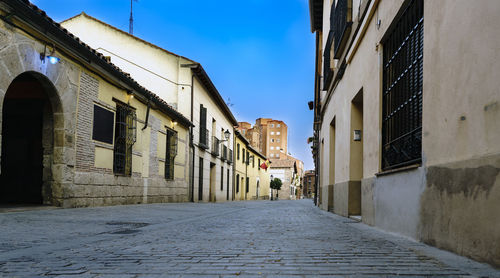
(125, 137)
(171, 152)
(402, 90)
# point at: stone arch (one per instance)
(19, 55)
(31, 121)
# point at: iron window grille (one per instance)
(230, 157)
(402, 90)
(341, 23)
(215, 146)
(171, 153)
(125, 137)
(327, 60)
(224, 153)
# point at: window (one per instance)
(238, 151)
(243, 158)
(277, 155)
(278, 148)
(103, 125)
(200, 180)
(171, 152)
(272, 148)
(278, 133)
(271, 125)
(272, 132)
(258, 164)
(247, 185)
(272, 140)
(272, 155)
(402, 90)
(278, 125)
(237, 183)
(125, 137)
(278, 140)
(203, 127)
(221, 178)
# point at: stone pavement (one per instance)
(239, 239)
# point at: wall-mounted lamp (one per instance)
(311, 105)
(357, 135)
(226, 135)
(52, 59)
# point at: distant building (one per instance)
(273, 137)
(251, 182)
(286, 171)
(308, 189)
(251, 134)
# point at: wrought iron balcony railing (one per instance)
(230, 157)
(327, 69)
(224, 153)
(215, 146)
(204, 138)
(340, 23)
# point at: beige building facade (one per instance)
(186, 86)
(75, 129)
(251, 182)
(406, 118)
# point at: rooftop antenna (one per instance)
(131, 21)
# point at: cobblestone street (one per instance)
(258, 239)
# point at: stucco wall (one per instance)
(152, 67)
(459, 208)
(451, 200)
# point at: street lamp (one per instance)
(226, 135)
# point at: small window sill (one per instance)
(398, 170)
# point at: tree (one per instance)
(276, 184)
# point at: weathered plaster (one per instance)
(460, 208)
(396, 199)
(367, 205)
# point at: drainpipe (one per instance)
(234, 164)
(191, 143)
(191, 140)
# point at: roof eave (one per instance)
(202, 76)
(40, 21)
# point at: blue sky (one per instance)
(258, 53)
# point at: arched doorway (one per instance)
(27, 141)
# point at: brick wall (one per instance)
(85, 147)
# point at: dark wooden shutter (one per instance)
(203, 127)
